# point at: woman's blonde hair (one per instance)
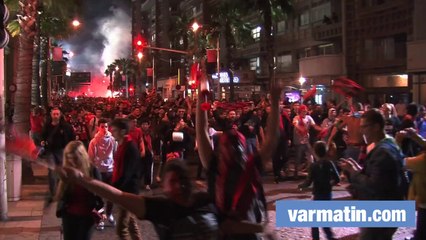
(80, 161)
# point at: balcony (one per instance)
(415, 56)
(291, 37)
(326, 32)
(323, 65)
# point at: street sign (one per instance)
(80, 78)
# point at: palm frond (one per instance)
(14, 28)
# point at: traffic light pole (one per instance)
(168, 50)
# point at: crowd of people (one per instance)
(121, 140)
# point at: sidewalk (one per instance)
(32, 219)
(25, 216)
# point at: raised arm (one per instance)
(131, 202)
(205, 150)
(272, 133)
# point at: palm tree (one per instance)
(54, 24)
(25, 27)
(26, 23)
(270, 11)
(108, 72)
(127, 67)
(237, 32)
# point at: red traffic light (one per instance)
(139, 42)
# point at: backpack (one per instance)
(392, 147)
(235, 181)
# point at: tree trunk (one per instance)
(269, 38)
(43, 66)
(21, 117)
(35, 84)
(229, 59)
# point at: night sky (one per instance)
(106, 26)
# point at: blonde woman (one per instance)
(77, 206)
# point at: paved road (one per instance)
(285, 190)
(32, 219)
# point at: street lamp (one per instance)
(195, 26)
(76, 23)
(302, 80)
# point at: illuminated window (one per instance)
(255, 64)
(255, 33)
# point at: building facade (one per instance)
(378, 43)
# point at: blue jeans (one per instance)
(55, 158)
(302, 151)
(251, 144)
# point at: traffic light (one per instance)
(140, 55)
(139, 43)
(4, 15)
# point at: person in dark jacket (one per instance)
(280, 157)
(381, 177)
(323, 174)
(56, 134)
(126, 176)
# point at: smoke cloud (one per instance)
(117, 33)
(106, 37)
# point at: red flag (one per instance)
(346, 87)
(311, 93)
(57, 54)
(149, 72)
(211, 55)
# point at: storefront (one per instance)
(169, 88)
(387, 88)
(244, 85)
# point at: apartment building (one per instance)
(307, 45)
(378, 43)
(377, 32)
(416, 53)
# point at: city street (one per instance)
(245, 93)
(32, 218)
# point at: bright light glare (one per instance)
(195, 26)
(302, 80)
(404, 76)
(114, 94)
(140, 55)
(76, 23)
